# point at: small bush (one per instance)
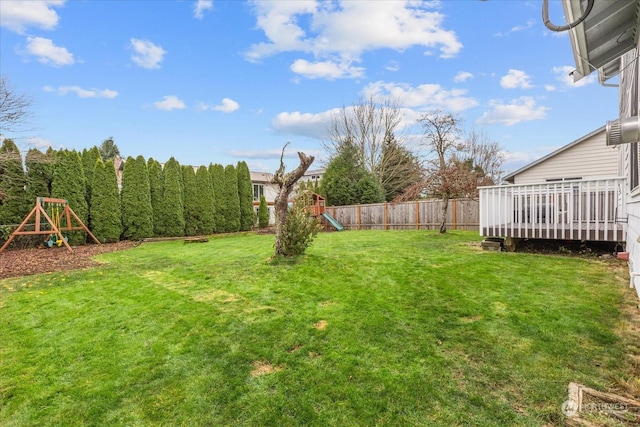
(301, 227)
(263, 213)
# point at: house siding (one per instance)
(589, 159)
(630, 106)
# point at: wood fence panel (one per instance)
(462, 214)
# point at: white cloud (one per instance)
(392, 66)
(425, 96)
(346, 29)
(462, 76)
(227, 106)
(39, 143)
(47, 52)
(169, 103)
(516, 79)
(201, 6)
(17, 15)
(518, 110)
(530, 23)
(326, 69)
(563, 75)
(304, 124)
(147, 54)
(549, 88)
(83, 93)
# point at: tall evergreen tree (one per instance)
(172, 215)
(217, 184)
(14, 205)
(40, 168)
(263, 213)
(155, 188)
(69, 183)
(231, 201)
(137, 213)
(206, 223)
(89, 158)
(191, 211)
(245, 195)
(104, 211)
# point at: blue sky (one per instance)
(222, 81)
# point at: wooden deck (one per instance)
(574, 231)
(573, 210)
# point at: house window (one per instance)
(258, 190)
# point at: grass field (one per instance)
(370, 328)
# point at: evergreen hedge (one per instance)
(217, 184)
(263, 213)
(231, 201)
(14, 205)
(69, 183)
(204, 191)
(137, 212)
(104, 210)
(191, 213)
(154, 170)
(245, 195)
(172, 214)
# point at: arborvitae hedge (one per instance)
(137, 213)
(172, 214)
(245, 195)
(89, 158)
(155, 188)
(14, 205)
(206, 223)
(217, 183)
(69, 183)
(191, 213)
(263, 213)
(231, 202)
(104, 211)
(40, 168)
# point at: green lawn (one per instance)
(370, 328)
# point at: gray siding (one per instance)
(589, 159)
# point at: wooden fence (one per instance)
(462, 214)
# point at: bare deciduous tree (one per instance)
(14, 109)
(441, 134)
(485, 156)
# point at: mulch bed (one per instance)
(25, 262)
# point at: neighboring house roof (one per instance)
(510, 177)
(262, 177)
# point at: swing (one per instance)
(54, 239)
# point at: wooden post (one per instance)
(359, 218)
(386, 217)
(417, 215)
(455, 213)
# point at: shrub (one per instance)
(263, 213)
(301, 227)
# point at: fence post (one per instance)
(386, 216)
(359, 219)
(417, 215)
(455, 213)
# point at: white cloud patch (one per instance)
(523, 109)
(516, 79)
(563, 75)
(549, 88)
(39, 143)
(462, 76)
(200, 7)
(227, 106)
(339, 32)
(530, 23)
(169, 103)
(326, 70)
(425, 96)
(48, 53)
(83, 93)
(146, 54)
(17, 15)
(312, 125)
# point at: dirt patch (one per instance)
(321, 325)
(295, 348)
(568, 247)
(25, 262)
(264, 368)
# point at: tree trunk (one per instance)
(286, 182)
(443, 214)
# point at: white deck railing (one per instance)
(572, 210)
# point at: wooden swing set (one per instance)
(55, 230)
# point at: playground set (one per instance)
(318, 208)
(59, 210)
